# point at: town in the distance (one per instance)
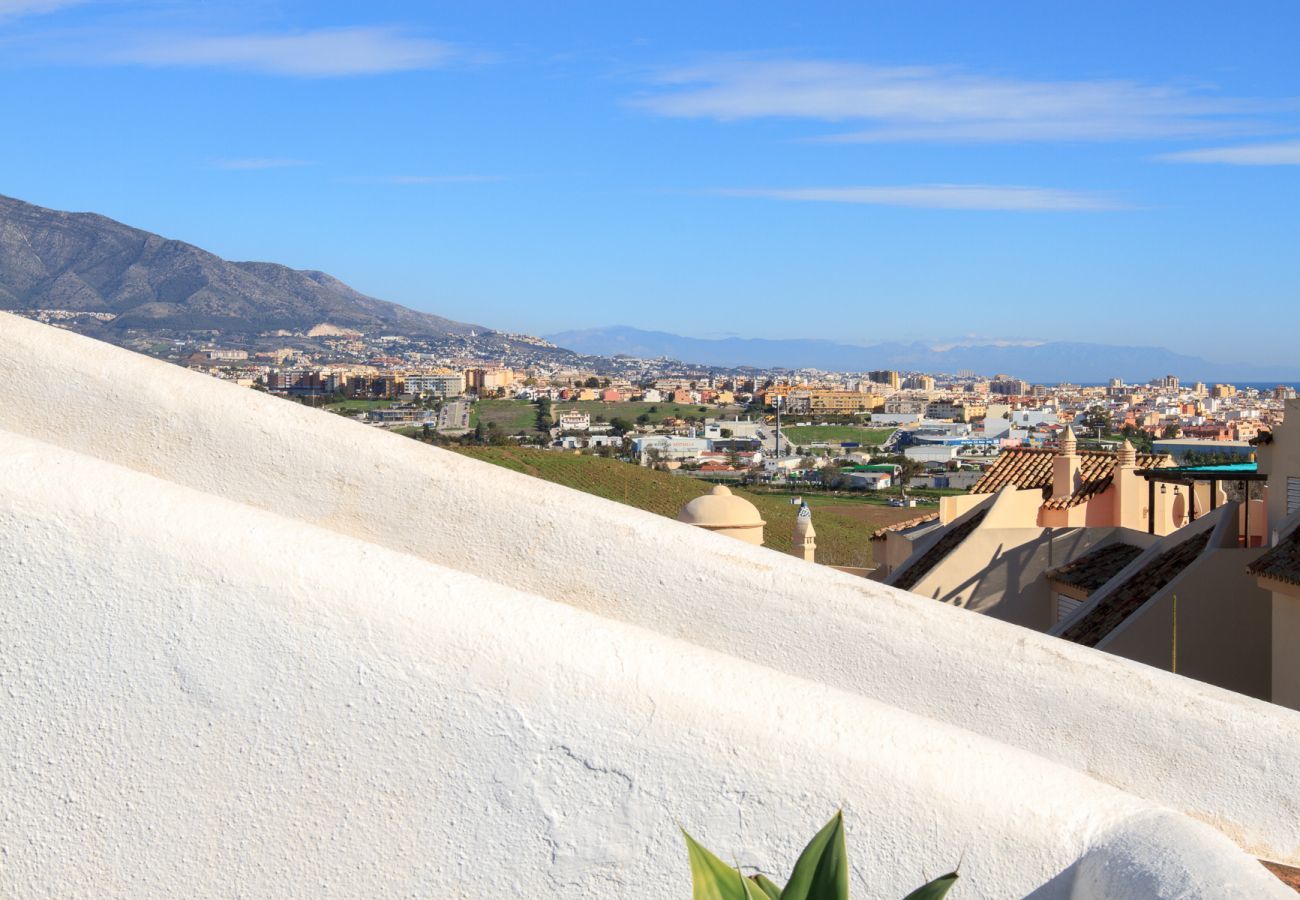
(1114, 503)
(917, 433)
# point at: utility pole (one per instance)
(1173, 666)
(777, 404)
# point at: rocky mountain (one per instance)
(84, 262)
(1045, 362)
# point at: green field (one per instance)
(835, 434)
(513, 416)
(844, 525)
(349, 405)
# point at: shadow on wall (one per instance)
(1001, 572)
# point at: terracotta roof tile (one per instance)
(1282, 563)
(932, 557)
(1095, 567)
(904, 525)
(1141, 586)
(1028, 468)
(1023, 467)
(1288, 875)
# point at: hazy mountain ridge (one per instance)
(1049, 362)
(88, 262)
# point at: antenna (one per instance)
(1173, 665)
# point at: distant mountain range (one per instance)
(142, 283)
(1049, 362)
(89, 263)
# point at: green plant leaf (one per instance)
(711, 878)
(935, 890)
(752, 889)
(822, 871)
(769, 887)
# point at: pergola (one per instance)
(1190, 476)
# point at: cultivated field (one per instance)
(844, 527)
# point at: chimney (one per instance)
(1129, 496)
(1065, 467)
(802, 544)
(1127, 456)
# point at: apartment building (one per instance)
(829, 402)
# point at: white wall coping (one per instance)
(193, 710)
(1221, 757)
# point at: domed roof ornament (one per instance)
(722, 511)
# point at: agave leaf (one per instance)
(935, 890)
(711, 878)
(752, 889)
(769, 887)
(822, 871)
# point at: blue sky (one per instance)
(1110, 171)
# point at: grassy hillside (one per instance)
(844, 528)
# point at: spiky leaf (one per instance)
(768, 885)
(935, 890)
(711, 878)
(822, 871)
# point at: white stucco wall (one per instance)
(1160, 737)
(193, 709)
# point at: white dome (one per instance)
(720, 508)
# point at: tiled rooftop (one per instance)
(904, 525)
(1027, 468)
(1095, 567)
(932, 557)
(1141, 586)
(1288, 875)
(1282, 562)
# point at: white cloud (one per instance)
(312, 54)
(919, 103)
(422, 179)
(260, 163)
(1282, 153)
(943, 196)
(985, 342)
(13, 9)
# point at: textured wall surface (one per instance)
(293, 557)
(204, 698)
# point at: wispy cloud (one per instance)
(920, 103)
(13, 9)
(310, 54)
(943, 196)
(260, 163)
(421, 179)
(1281, 153)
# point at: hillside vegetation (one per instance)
(844, 528)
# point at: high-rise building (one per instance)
(887, 377)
